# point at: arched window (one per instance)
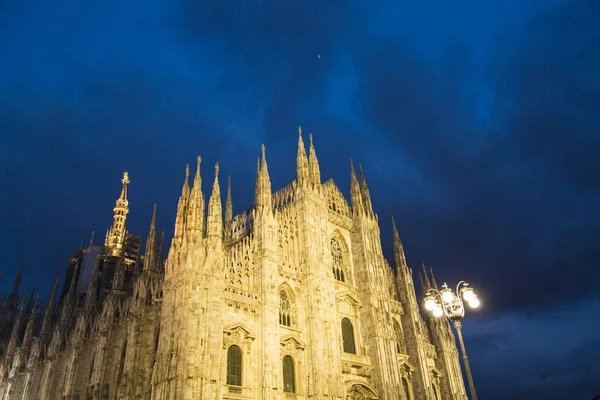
(289, 377)
(338, 261)
(348, 336)
(284, 309)
(234, 366)
(406, 387)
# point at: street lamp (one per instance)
(446, 302)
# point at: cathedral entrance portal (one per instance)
(360, 392)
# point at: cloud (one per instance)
(277, 56)
(507, 187)
(476, 129)
(56, 146)
(551, 356)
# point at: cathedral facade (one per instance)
(291, 299)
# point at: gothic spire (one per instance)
(426, 278)
(28, 337)
(263, 195)
(399, 255)
(301, 161)
(355, 195)
(49, 308)
(69, 300)
(17, 283)
(228, 208)
(214, 226)
(182, 207)
(92, 289)
(159, 249)
(117, 231)
(366, 196)
(433, 281)
(424, 287)
(31, 300)
(150, 243)
(125, 182)
(14, 335)
(195, 213)
(313, 163)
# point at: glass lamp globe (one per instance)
(474, 302)
(468, 294)
(447, 295)
(429, 303)
(438, 312)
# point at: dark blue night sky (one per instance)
(477, 124)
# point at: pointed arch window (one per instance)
(406, 387)
(289, 376)
(339, 272)
(285, 308)
(349, 345)
(234, 366)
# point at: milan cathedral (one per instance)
(291, 299)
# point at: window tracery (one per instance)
(339, 272)
(285, 309)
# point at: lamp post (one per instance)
(446, 302)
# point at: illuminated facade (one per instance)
(292, 298)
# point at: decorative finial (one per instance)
(199, 160)
(216, 169)
(310, 139)
(360, 168)
(262, 149)
(300, 132)
(155, 208)
(125, 179)
(187, 171)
